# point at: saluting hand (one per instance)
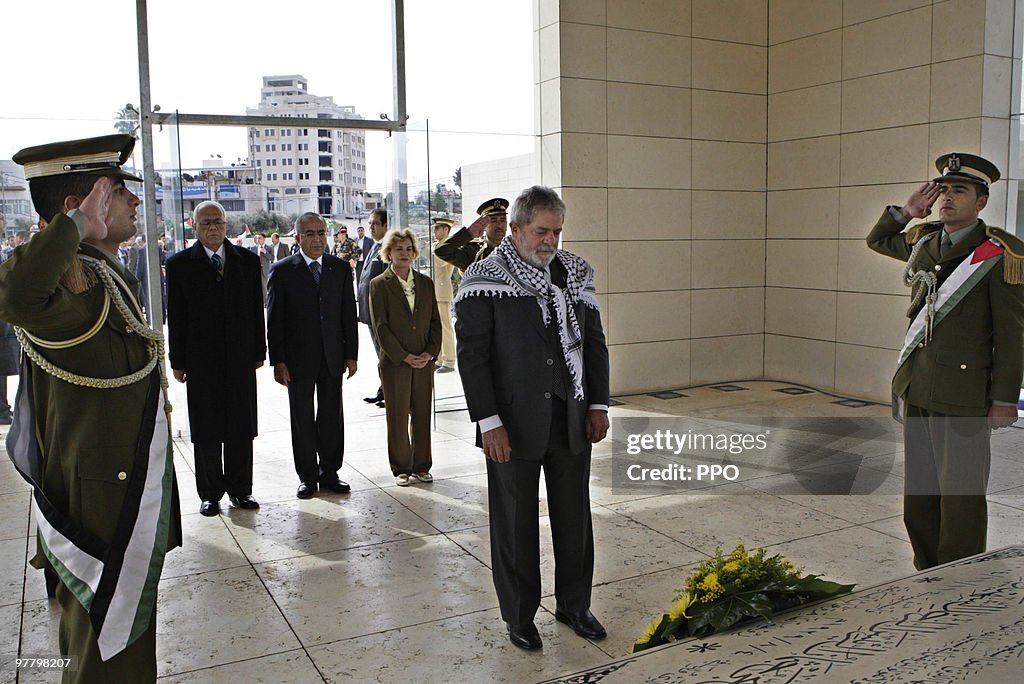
(477, 228)
(96, 209)
(921, 200)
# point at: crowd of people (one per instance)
(90, 432)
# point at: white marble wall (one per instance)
(723, 159)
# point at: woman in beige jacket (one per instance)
(403, 311)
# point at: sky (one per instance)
(70, 65)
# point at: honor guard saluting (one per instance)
(91, 432)
(476, 241)
(959, 372)
(444, 292)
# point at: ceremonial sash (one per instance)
(116, 583)
(968, 274)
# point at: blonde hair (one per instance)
(395, 236)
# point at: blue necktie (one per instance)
(217, 262)
(314, 268)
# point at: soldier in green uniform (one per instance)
(959, 372)
(91, 432)
(475, 241)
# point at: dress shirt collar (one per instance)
(957, 236)
(308, 260)
(220, 251)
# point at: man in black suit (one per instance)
(372, 267)
(312, 336)
(534, 367)
(364, 242)
(216, 343)
(261, 250)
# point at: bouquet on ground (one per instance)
(724, 590)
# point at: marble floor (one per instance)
(391, 584)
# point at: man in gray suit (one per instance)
(534, 367)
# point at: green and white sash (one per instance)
(116, 583)
(968, 274)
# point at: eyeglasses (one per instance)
(208, 224)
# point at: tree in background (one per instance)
(127, 119)
(457, 177)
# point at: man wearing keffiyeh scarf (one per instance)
(534, 367)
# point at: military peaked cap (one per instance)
(968, 167)
(493, 207)
(102, 156)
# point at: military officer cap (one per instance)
(102, 156)
(968, 167)
(493, 207)
(447, 222)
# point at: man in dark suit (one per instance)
(364, 242)
(216, 343)
(373, 266)
(312, 336)
(959, 373)
(261, 250)
(534, 367)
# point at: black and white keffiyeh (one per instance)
(505, 274)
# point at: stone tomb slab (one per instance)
(963, 621)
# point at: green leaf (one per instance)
(720, 615)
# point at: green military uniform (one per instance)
(89, 437)
(973, 356)
(462, 249)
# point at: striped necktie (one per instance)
(217, 262)
(314, 268)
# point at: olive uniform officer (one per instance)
(959, 372)
(90, 431)
(444, 292)
(476, 241)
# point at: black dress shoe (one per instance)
(244, 502)
(306, 490)
(337, 486)
(584, 624)
(525, 636)
(380, 404)
(379, 396)
(209, 508)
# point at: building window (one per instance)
(267, 132)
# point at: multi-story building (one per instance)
(303, 166)
(16, 211)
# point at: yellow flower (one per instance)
(651, 629)
(731, 566)
(678, 608)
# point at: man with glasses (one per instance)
(311, 331)
(217, 341)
